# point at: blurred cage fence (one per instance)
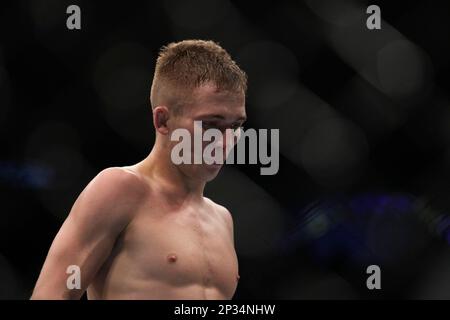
(364, 120)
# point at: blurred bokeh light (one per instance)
(364, 120)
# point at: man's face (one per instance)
(217, 110)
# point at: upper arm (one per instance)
(88, 234)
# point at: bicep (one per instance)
(74, 245)
(85, 241)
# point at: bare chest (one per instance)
(181, 249)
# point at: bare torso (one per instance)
(170, 251)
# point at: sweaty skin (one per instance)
(146, 231)
(170, 250)
(132, 241)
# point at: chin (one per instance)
(203, 172)
(211, 171)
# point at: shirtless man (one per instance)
(145, 231)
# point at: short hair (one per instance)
(183, 66)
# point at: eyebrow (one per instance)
(220, 117)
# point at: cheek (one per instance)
(232, 138)
(182, 121)
(184, 124)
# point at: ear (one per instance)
(160, 119)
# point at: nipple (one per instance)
(238, 277)
(172, 258)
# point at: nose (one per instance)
(225, 143)
(229, 140)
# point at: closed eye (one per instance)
(238, 125)
(209, 125)
(214, 125)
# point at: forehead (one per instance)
(207, 99)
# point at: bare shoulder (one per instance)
(118, 183)
(223, 212)
(114, 191)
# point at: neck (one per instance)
(170, 179)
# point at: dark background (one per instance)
(364, 119)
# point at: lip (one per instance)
(215, 165)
